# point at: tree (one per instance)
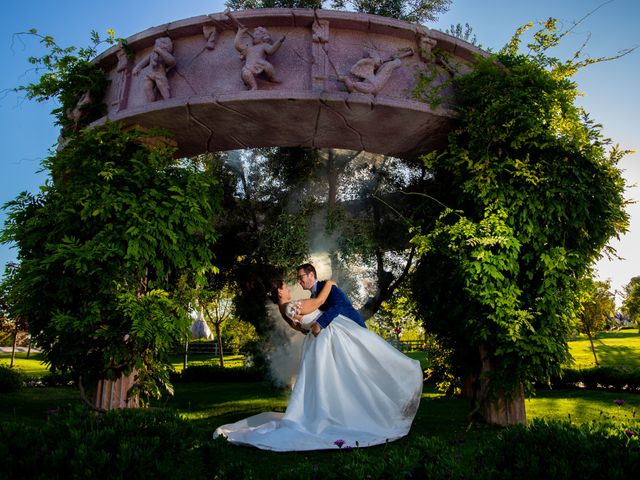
(10, 323)
(596, 306)
(218, 308)
(249, 4)
(464, 33)
(281, 204)
(420, 11)
(533, 195)
(631, 302)
(109, 252)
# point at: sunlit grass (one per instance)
(582, 406)
(230, 361)
(31, 367)
(211, 404)
(613, 349)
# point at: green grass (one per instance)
(209, 405)
(582, 406)
(212, 404)
(31, 367)
(613, 349)
(30, 405)
(230, 361)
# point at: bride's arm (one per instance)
(308, 305)
(293, 323)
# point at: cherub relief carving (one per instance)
(76, 113)
(425, 46)
(123, 76)
(254, 54)
(159, 62)
(210, 34)
(374, 71)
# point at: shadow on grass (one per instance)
(583, 406)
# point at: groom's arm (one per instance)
(333, 309)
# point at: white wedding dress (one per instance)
(353, 389)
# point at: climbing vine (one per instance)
(69, 76)
(534, 196)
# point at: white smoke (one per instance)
(283, 348)
(284, 344)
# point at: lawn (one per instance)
(211, 404)
(208, 405)
(613, 349)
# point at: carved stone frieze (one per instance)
(155, 66)
(122, 82)
(230, 80)
(374, 71)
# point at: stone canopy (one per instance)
(286, 77)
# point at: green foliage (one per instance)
(281, 241)
(420, 11)
(441, 442)
(631, 302)
(10, 379)
(599, 378)
(464, 33)
(535, 194)
(561, 450)
(410, 10)
(596, 306)
(248, 4)
(69, 73)
(238, 334)
(109, 251)
(216, 373)
(120, 444)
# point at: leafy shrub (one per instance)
(560, 450)
(158, 444)
(599, 378)
(121, 444)
(49, 379)
(216, 373)
(10, 379)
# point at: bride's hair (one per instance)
(273, 293)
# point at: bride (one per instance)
(353, 388)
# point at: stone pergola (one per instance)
(285, 77)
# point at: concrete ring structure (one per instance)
(338, 79)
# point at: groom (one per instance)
(337, 303)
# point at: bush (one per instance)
(561, 450)
(158, 444)
(50, 379)
(216, 373)
(599, 378)
(121, 444)
(10, 379)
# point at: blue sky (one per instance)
(610, 90)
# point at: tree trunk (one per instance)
(498, 407)
(111, 394)
(186, 353)
(593, 348)
(219, 339)
(332, 179)
(13, 349)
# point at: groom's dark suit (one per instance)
(337, 303)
